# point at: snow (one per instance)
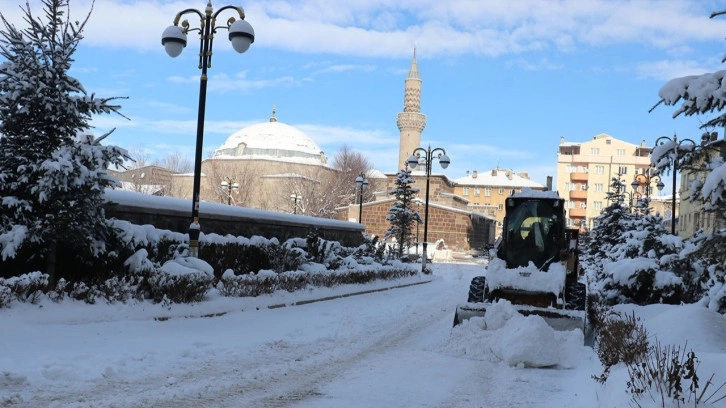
(384, 348)
(528, 278)
(529, 193)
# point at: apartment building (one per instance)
(585, 171)
(692, 215)
(486, 191)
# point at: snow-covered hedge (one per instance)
(152, 264)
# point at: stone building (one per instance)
(270, 166)
(487, 191)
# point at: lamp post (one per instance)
(425, 157)
(362, 182)
(674, 145)
(174, 39)
(230, 184)
(295, 198)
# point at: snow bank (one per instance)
(505, 335)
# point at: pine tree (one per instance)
(401, 215)
(52, 172)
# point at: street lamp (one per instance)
(295, 198)
(230, 184)
(672, 143)
(174, 39)
(425, 157)
(362, 182)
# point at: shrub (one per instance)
(178, 288)
(657, 371)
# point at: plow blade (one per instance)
(558, 319)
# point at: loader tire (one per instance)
(476, 289)
(576, 296)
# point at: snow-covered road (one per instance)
(393, 348)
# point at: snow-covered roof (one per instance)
(497, 178)
(375, 174)
(529, 193)
(272, 140)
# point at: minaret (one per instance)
(411, 121)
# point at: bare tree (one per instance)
(176, 163)
(240, 172)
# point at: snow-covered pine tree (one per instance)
(633, 259)
(402, 215)
(52, 173)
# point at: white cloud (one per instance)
(667, 70)
(378, 28)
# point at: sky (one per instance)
(503, 81)
(392, 348)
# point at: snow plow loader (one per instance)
(535, 266)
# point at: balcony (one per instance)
(578, 195)
(578, 176)
(576, 212)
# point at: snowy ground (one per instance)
(393, 348)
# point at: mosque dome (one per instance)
(272, 140)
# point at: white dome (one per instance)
(272, 140)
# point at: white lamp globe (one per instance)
(174, 40)
(242, 35)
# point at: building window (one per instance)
(569, 204)
(501, 191)
(477, 191)
(488, 191)
(583, 187)
(623, 170)
(599, 187)
(620, 152)
(466, 191)
(500, 207)
(571, 168)
(583, 205)
(595, 151)
(597, 205)
(599, 169)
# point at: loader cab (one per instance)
(533, 229)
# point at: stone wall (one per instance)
(175, 215)
(461, 230)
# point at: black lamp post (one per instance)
(425, 157)
(295, 198)
(362, 182)
(675, 144)
(174, 39)
(230, 184)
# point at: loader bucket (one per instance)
(558, 319)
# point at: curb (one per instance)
(300, 303)
(364, 292)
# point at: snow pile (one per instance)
(528, 278)
(505, 335)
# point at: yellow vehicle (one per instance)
(535, 266)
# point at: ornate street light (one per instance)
(674, 159)
(425, 157)
(295, 198)
(362, 182)
(174, 39)
(230, 184)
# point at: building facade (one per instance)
(485, 192)
(693, 215)
(585, 173)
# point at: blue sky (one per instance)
(502, 80)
